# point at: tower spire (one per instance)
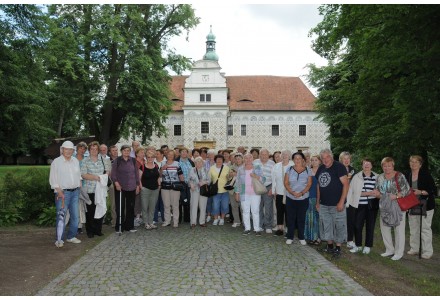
(210, 47)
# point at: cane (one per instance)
(421, 219)
(120, 212)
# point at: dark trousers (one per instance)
(159, 208)
(126, 214)
(351, 217)
(281, 210)
(93, 226)
(368, 217)
(184, 210)
(296, 214)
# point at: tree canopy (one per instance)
(379, 94)
(101, 70)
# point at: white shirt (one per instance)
(278, 177)
(65, 174)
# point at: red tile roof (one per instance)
(258, 92)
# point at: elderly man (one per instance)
(332, 191)
(65, 180)
(134, 146)
(103, 150)
(266, 204)
(241, 150)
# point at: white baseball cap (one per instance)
(68, 145)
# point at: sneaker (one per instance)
(59, 244)
(412, 252)
(236, 225)
(74, 240)
(152, 226)
(215, 222)
(396, 257)
(246, 232)
(147, 226)
(165, 224)
(355, 249)
(289, 242)
(133, 230)
(175, 225)
(303, 242)
(268, 230)
(327, 250)
(366, 250)
(221, 222)
(137, 222)
(336, 253)
(386, 254)
(208, 219)
(350, 245)
(258, 233)
(426, 256)
(275, 228)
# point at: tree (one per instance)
(23, 93)
(394, 50)
(118, 76)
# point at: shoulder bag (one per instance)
(213, 187)
(204, 189)
(407, 202)
(259, 188)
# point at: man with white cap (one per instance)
(65, 180)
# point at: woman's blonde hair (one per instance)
(387, 160)
(417, 157)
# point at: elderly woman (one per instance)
(125, 177)
(361, 197)
(209, 162)
(244, 192)
(220, 202)
(311, 231)
(197, 178)
(171, 173)
(150, 189)
(297, 182)
(81, 149)
(390, 214)
(278, 189)
(424, 187)
(237, 158)
(91, 169)
(345, 159)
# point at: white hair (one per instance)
(211, 151)
(326, 150)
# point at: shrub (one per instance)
(10, 216)
(47, 217)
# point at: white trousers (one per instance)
(251, 204)
(198, 201)
(414, 229)
(398, 247)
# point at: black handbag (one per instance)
(204, 189)
(373, 204)
(230, 185)
(419, 210)
(213, 187)
(166, 185)
(185, 196)
(178, 186)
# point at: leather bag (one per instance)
(259, 188)
(407, 202)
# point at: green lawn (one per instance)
(19, 169)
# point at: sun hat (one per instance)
(68, 145)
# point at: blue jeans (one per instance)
(159, 208)
(220, 204)
(70, 203)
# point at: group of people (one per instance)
(313, 197)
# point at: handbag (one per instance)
(185, 196)
(407, 202)
(419, 210)
(213, 187)
(229, 185)
(178, 186)
(204, 189)
(373, 204)
(259, 188)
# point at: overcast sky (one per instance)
(255, 39)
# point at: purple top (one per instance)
(126, 173)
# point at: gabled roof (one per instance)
(246, 93)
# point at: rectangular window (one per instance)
(177, 130)
(302, 130)
(205, 127)
(230, 130)
(275, 130)
(205, 97)
(243, 130)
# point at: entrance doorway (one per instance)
(207, 144)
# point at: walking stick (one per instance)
(120, 213)
(420, 245)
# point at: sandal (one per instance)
(147, 226)
(316, 242)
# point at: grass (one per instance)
(383, 277)
(19, 169)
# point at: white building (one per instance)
(224, 112)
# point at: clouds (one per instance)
(257, 39)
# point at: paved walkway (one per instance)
(217, 260)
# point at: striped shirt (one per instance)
(369, 184)
(267, 170)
